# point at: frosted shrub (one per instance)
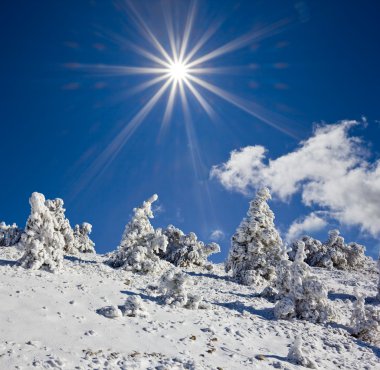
(42, 240)
(316, 253)
(55, 206)
(256, 244)
(10, 235)
(186, 250)
(140, 244)
(333, 253)
(366, 321)
(82, 241)
(297, 356)
(134, 306)
(283, 279)
(302, 296)
(174, 286)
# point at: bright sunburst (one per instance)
(179, 72)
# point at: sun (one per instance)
(178, 71)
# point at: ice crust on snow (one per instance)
(256, 245)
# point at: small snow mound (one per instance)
(110, 312)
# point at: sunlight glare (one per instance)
(178, 71)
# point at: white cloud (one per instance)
(308, 224)
(217, 235)
(330, 170)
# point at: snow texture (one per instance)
(333, 253)
(297, 356)
(10, 235)
(256, 245)
(140, 243)
(175, 285)
(50, 321)
(82, 241)
(186, 250)
(366, 321)
(42, 240)
(303, 296)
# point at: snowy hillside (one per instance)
(53, 321)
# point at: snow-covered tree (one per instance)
(256, 244)
(174, 285)
(297, 356)
(333, 253)
(303, 296)
(42, 240)
(316, 252)
(283, 274)
(365, 320)
(9, 234)
(186, 250)
(82, 241)
(56, 208)
(140, 243)
(283, 279)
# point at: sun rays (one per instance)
(177, 69)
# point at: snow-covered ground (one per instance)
(51, 321)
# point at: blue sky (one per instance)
(59, 112)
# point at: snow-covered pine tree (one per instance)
(365, 320)
(303, 296)
(56, 208)
(256, 244)
(186, 250)
(82, 241)
(9, 234)
(140, 243)
(42, 240)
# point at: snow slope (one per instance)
(51, 321)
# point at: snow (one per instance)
(53, 320)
